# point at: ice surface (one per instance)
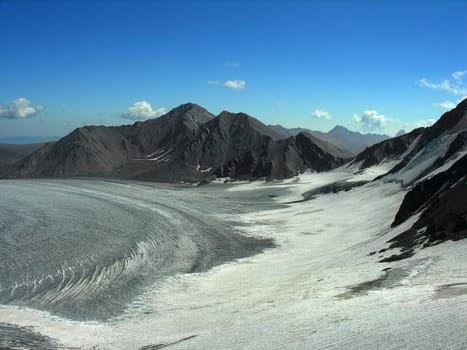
(301, 294)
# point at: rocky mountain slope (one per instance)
(186, 144)
(99, 150)
(343, 138)
(431, 164)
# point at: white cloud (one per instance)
(449, 104)
(454, 86)
(446, 104)
(235, 84)
(231, 84)
(459, 75)
(371, 120)
(232, 64)
(321, 114)
(20, 108)
(425, 123)
(142, 110)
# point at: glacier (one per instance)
(252, 266)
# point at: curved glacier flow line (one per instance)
(96, 245)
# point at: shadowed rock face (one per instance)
(186, 144)
(442, 201)
(284, 158)
(431, 190)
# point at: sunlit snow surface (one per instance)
(321, 287)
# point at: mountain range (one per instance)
(186, 144)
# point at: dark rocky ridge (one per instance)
(284, 158)
(186, 144)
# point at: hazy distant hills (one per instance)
(186, 144)
(11, 153)
(27, 139)
(345, 139)
(13, 149)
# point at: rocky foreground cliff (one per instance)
(431, 166)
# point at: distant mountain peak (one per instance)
(343, 129)
(338, 128)
(186, 107)
(187, 112)
(339, 136)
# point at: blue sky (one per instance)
(372, 66)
